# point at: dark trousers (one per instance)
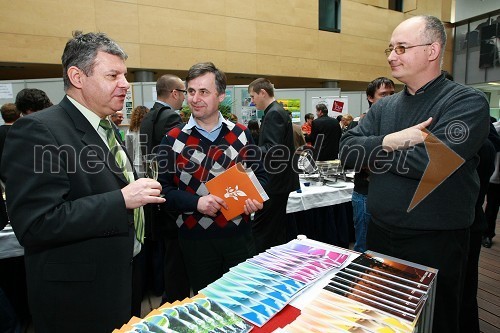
(469, 314)
(445, 250)
(137, 283)
(491, 210)
(8, 319)
(269, 225)
(208, 259)
(177, 285)
(13, 285)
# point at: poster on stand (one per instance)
(292, 106)
(336, 105)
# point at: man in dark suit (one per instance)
(163, 245)
(325, 135)
(276, 144)
(71, 204)
(170, 91)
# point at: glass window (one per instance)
(396, 5)
(329, 15)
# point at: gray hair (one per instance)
(434, 32)
(82, 49)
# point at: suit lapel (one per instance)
(93, 140)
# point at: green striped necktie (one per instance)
(121, 160)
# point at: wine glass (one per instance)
(150, 163)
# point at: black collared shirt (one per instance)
(426, 86)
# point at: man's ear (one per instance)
(221, 97)
(435, 50)
(75, 76)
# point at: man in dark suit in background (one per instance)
(170, 91)
(325, 135)
(276, 144)
(163, 246)
(72, 202)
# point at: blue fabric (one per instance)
(361, 218)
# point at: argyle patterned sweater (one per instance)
(189, 160)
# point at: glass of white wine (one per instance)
(150, 163)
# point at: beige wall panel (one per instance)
(445, 10)
(375, 3)
(199, 6)
(168, 57)
(409, 5)
(286, 66)
(356, 72)
(46, 18)
(428, 8)
(241, 35)
(31, 49)
(329, 46)
(244, 63)
(159, 26)
(123, 25)
(298, 13)
(329, 69)
(127, 1)
(276, 39)
(367, 21)
(241, 9)
(363, 51)
(134, 54)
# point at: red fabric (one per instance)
(283, 318)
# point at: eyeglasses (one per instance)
(400, 49)
(181, 90)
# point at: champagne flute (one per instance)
(150, 163)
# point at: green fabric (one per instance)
(120, 158)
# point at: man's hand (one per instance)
(252, 205)
(406, 138)
(210, 205)
(141, 192)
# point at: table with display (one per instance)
(322, 212)
(305, 284)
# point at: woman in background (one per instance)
(132, 139)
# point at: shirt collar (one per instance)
(89, 115)
(164, 104)
(427, 85)
(193, 123)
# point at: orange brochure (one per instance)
(235, 186)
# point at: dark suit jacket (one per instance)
(156, 124)
(276, 133)
(68, 212)
(332, 132)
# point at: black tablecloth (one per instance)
(331, 224)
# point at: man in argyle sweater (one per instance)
(191, 155)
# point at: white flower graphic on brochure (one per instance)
(234, 193)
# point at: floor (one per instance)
(488, 294)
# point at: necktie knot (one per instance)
(104, 123)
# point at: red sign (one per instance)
(338, 106)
